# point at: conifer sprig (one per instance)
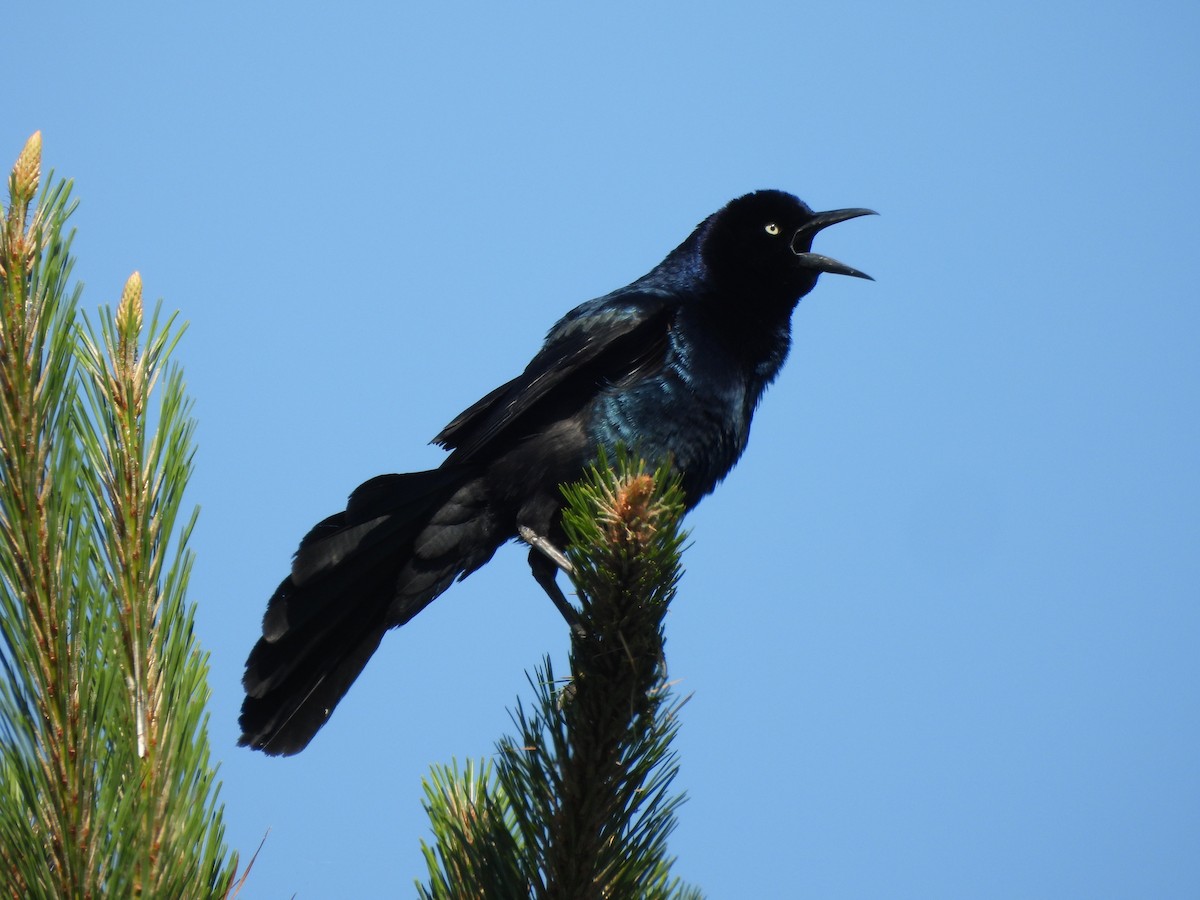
(108, 790)
(579, 805)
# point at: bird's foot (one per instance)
(544, 561)
(546, 548)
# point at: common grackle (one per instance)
(673, 365)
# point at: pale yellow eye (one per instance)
(772, 229)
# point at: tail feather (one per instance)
(402, 500)
(390, 494)
(294, 642)
(337, 542)
(285, 719)
(355, 575)
(325, 590)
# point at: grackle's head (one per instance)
(764, 241)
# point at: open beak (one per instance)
(804, 235)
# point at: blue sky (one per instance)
(940, 625)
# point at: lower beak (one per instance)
(804, 235)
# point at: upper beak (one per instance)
(802, 240)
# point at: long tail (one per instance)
(402, 540)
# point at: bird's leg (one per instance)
(547, 549)
(544, 562)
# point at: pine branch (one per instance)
(137, 480)
(108, 788)
(46, 826)
(580, 805)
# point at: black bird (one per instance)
(673, 364)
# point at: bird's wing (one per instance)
(614, 340)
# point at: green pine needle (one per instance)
(580, 803)
(107, 786)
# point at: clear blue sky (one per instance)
(941, 625)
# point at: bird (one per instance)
(673, 365)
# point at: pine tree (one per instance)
(579, 805)
(106, 787)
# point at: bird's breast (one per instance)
(694, 417)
